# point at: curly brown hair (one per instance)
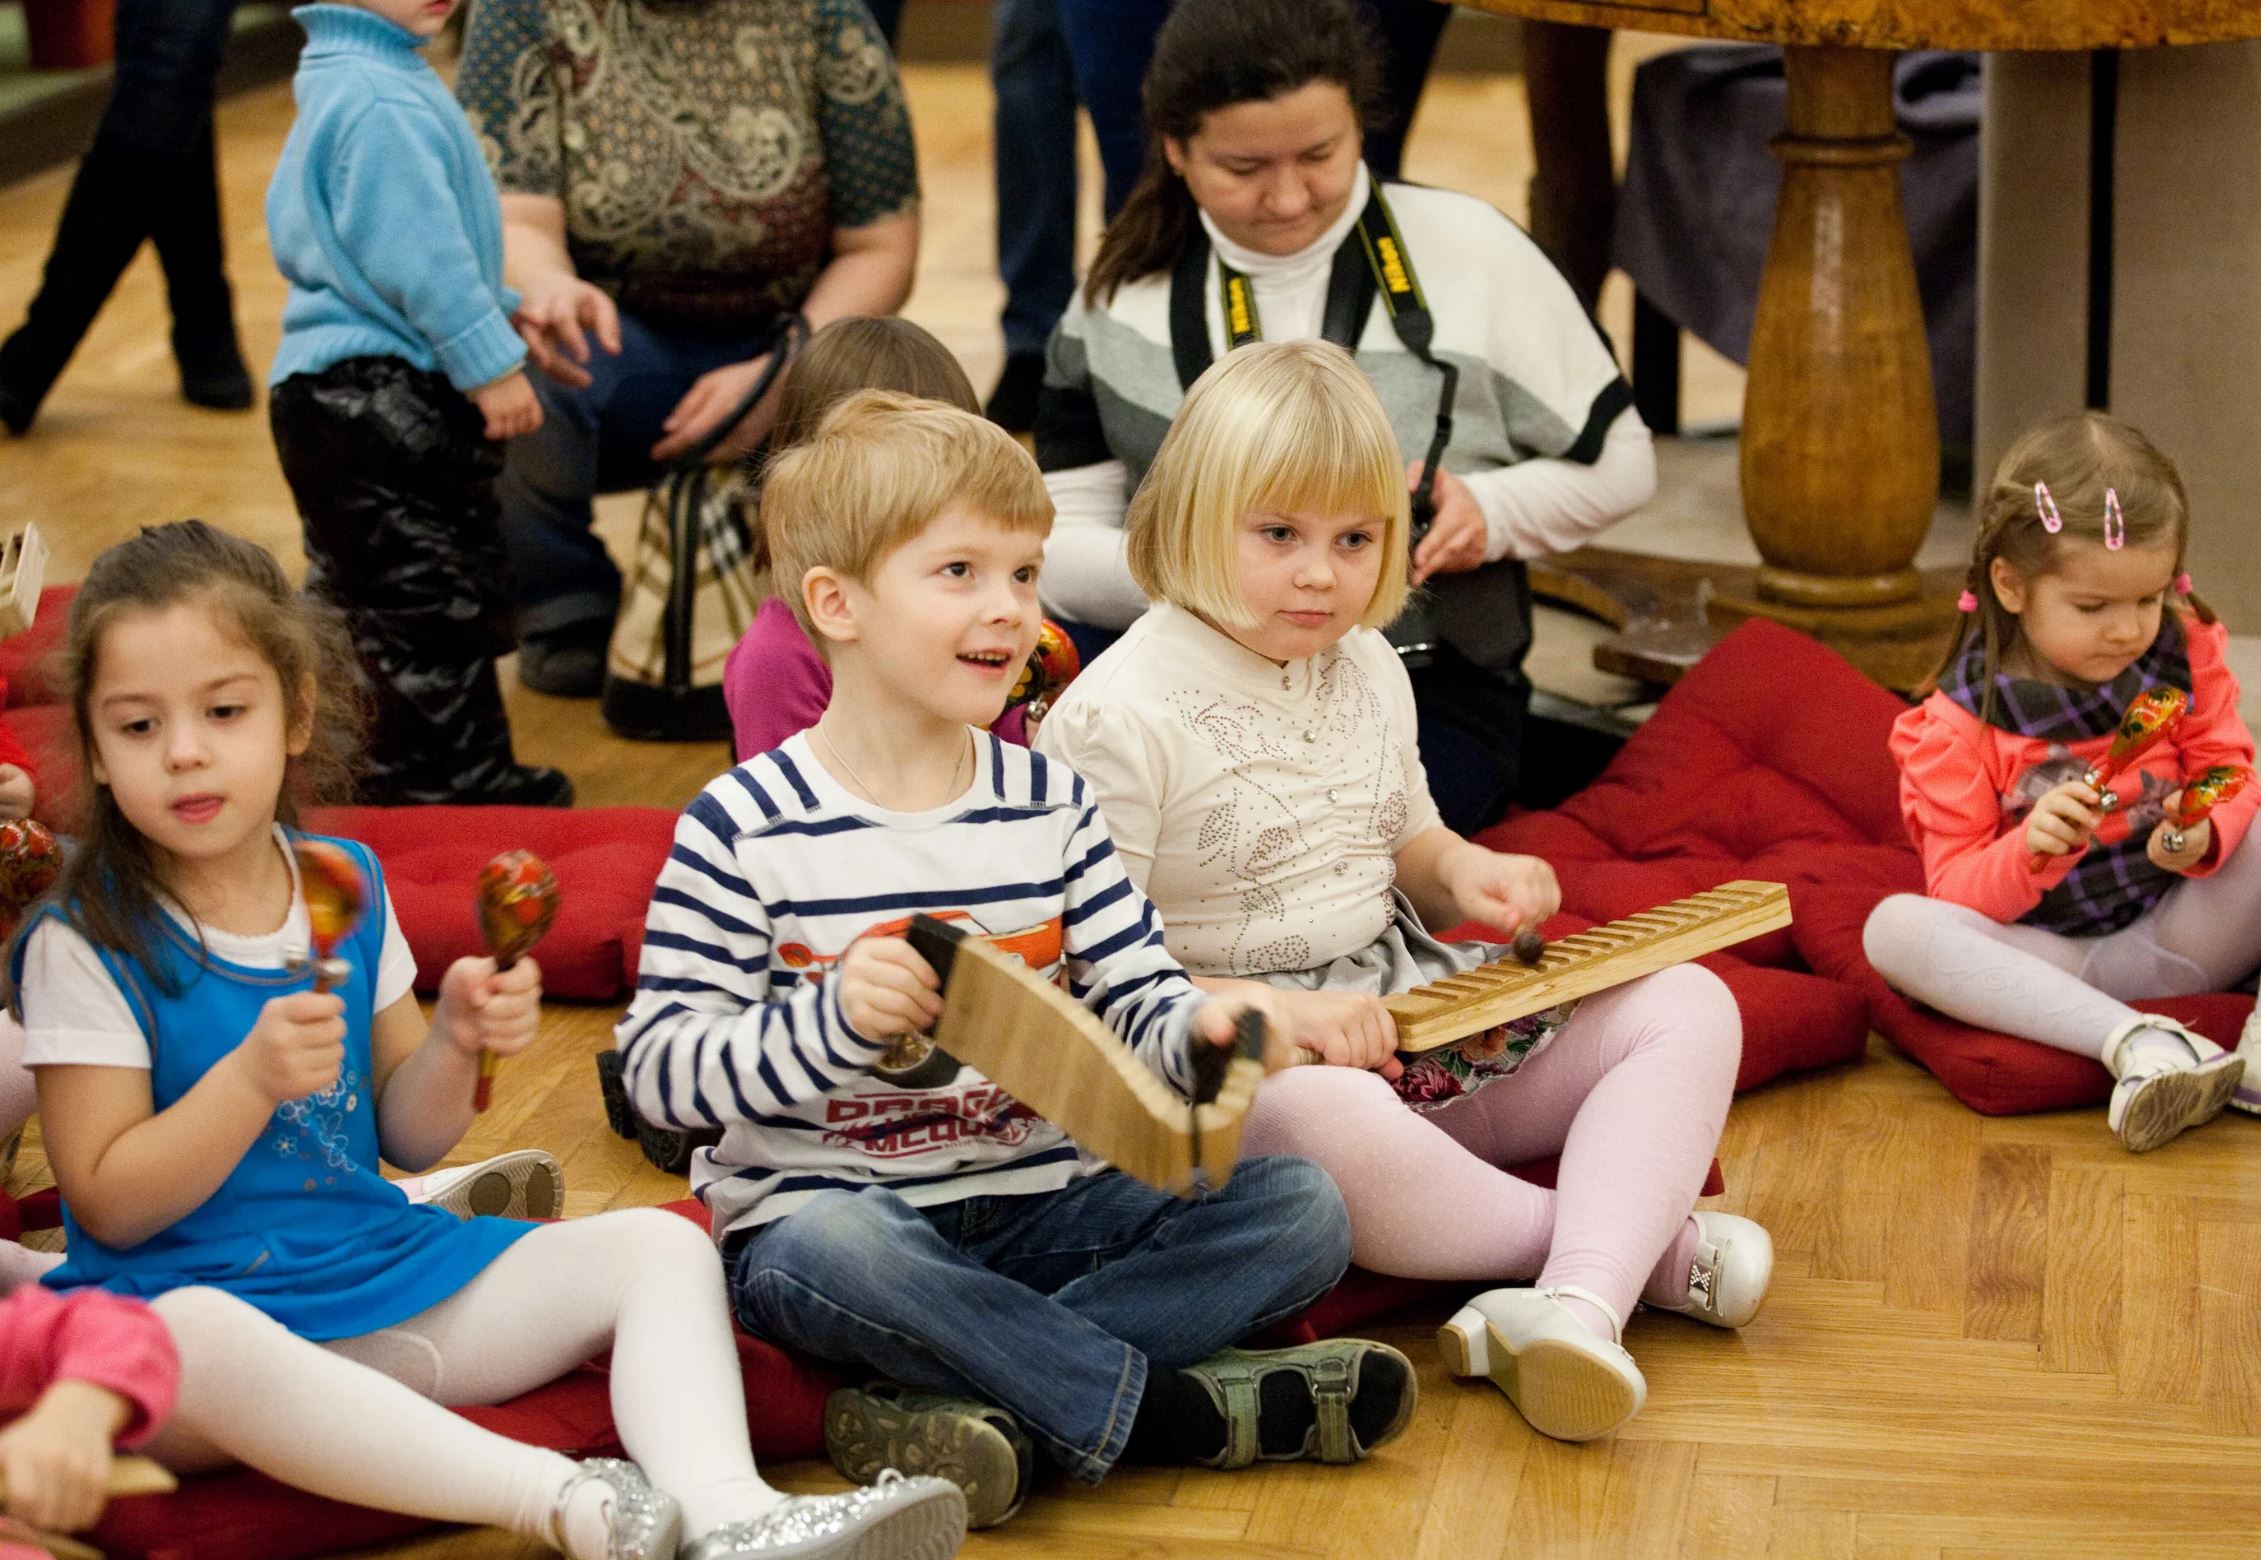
(111, 890)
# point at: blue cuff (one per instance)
(482, 354)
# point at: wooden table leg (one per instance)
(1840, 447)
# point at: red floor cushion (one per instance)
(1732, 779)
(606, 860)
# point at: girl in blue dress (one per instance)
(215, 1125)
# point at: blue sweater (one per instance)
(382, 214)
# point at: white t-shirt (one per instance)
(75, 1015)
(1260, 806)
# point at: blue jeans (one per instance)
(594, 440)
(1035, 167)
(1052, 1305)
(166, 72)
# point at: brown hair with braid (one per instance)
(2077, 458)
(111, 890)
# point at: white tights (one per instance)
(2070, 992)
(361, 1420)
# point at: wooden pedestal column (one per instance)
(1840, 446)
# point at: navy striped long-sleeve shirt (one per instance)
(775, 870)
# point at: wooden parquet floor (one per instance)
(1986, 1338)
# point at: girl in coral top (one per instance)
(2050, 904)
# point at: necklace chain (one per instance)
(870, 795)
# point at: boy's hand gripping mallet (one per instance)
(2200, 797)
(2151, 715)
(331, 883)
(517, 902)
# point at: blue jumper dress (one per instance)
(303, 1228)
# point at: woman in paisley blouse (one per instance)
(675, 175)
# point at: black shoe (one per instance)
(17, 408)
(569, 664)
(222, 387)
(523, 785)
(1012, 405)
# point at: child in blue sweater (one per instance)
(400, 371)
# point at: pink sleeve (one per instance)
(775, 683)
(2214, 733)
(1954, 816)
(92, 1336)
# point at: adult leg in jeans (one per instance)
(947, 1300)
(151, 160)
(595, 439)
(1035, 159)
(1111, 42)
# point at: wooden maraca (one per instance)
(335, 899)
(30, 862)
(2200, 797)
(2150, 716)
(517, 902)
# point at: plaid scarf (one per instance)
(2111, 885)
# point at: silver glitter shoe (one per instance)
(893, 1519)
(643, 1523)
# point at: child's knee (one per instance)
(654, 1240)
(1895, 932)
(1696, 1014)
(202, 1319)
(837, 1233)
(1305, 1210)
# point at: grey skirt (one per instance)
(1406, 956)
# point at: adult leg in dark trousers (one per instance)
(1036, 193)
(394, 479)
(149, 174)
(1574, 191)
(1112, 43)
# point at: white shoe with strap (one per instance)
(1566, 1382)
(2159, 1095)
(2248, 1095)
(1728, 1277)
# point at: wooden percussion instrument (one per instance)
(1445, 1011)
(1056, 1057)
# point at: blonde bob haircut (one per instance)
(879, 468)
(1285, 428)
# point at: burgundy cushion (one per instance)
(246, 1516)
(606, 860)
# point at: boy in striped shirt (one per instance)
(889, 1210)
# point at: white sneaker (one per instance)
(2248, 1095)
(1734, 1263)
(1566, 1382)
(522, 1184)
(2153, 1102)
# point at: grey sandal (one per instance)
(1331, 1369)
(976, 1446)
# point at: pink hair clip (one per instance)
(2115, 523)
(2046, 507)
(2182, 583)
(1967, 601)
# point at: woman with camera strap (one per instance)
(1256, 219)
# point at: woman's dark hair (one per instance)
(878, 352)
(111, 891)
(2077, 458)
(1212, 54)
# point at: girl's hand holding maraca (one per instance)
(297, 1047)
(2063, 819)
(2196, 840)
(483, 1009)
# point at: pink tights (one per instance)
(1632, 1093)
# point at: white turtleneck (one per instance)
(1531, 509)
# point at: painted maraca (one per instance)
(2200, 797)
(334, 902)
(1052, 665)
(517, 902)
(30, 861)
(2150, 716)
